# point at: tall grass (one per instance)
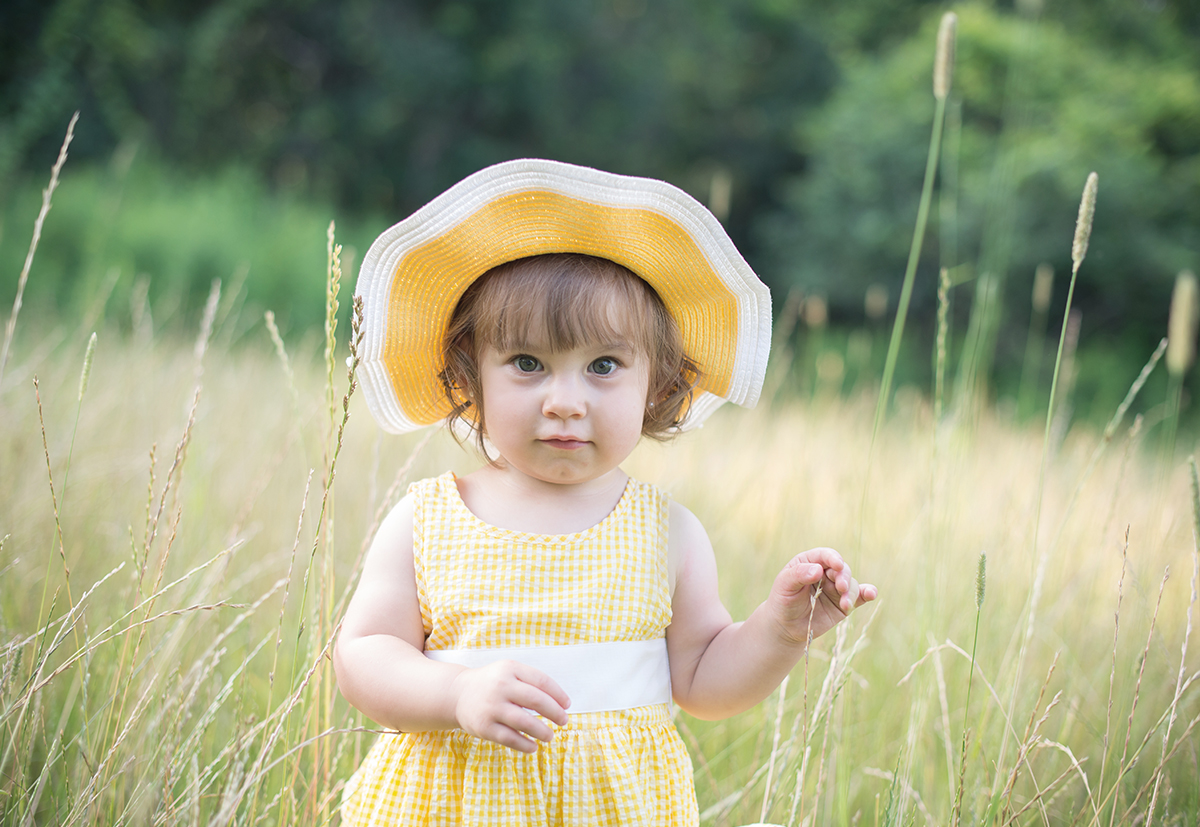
(1181, 351)
(10, 328)
(176, 674)
(943, 69)
(172, 577)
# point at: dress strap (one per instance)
(597, 677)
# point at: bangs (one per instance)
(561, 302)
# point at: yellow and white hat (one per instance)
(416, 271)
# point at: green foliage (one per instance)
(383, 105)
(370, 109)
(1042, 106)
(176, 233)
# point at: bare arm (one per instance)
(720, 668)
(383, 672)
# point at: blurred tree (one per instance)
(378, 106)
(1042, 105)
(382, 105)
(868, 26)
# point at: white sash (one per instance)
(597, 677)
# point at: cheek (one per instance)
(636, 404)
(500, 407)
(489, 404)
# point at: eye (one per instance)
(604, 366)
(526, 363)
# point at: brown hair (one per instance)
(563, 301)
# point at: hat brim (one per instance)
(414, 274)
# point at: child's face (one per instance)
(563, 417)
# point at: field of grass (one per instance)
(183, 516)
(167, 600)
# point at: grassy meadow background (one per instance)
(189, 479)
(175, 563)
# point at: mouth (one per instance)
(564, 443)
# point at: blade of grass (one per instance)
(1079, 245)
(944, 63)
(11, 328)
(942, 73)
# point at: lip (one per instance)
(565, 443)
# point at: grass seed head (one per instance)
(943, 62)
(980, 580)
(1181, 327)
(1083, 224)
(333, 283)
(87, 366)
(206, 322)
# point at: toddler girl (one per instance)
(525, 627)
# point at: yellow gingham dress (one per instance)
(483, 587)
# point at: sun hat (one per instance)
(414, 274)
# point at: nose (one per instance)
(565, 397)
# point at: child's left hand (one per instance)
(720, 668)
(791, 603)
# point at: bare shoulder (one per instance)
(400, 518)
(682, 520)
(393, 542)
(385, 600)
(687, 541)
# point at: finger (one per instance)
(522, 720)
(549, 699)
(508, 737)
(849, 598)
(797, 576)
(842, 580)
(834, 583)
(843, 577)
(834, 590)
(807, 574)
(866, 593)
(825, 557)
(831, 592)
(527, 696)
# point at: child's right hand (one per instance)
(496, 702)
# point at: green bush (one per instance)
(176, 234)
(1041, 107)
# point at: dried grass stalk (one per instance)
(47, 193)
